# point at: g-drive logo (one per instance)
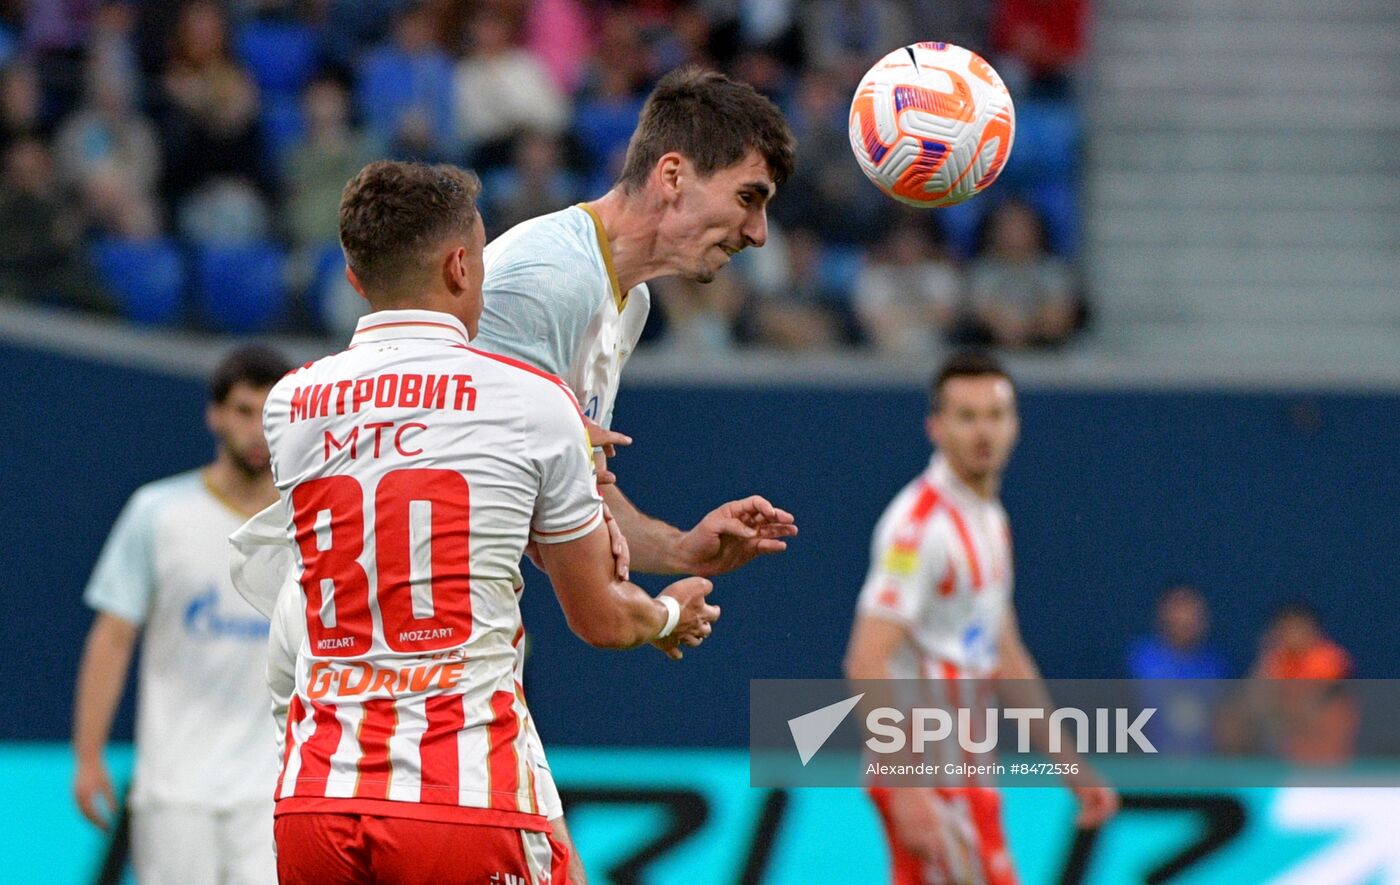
(1101, 730)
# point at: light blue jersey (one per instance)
(202, 723)
(552, 299)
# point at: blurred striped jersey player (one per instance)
(936, 606)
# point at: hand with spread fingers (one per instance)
(733, 534)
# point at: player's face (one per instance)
(237, 424)
(976, 425)
(714, 217)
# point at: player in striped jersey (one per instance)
(413, 470)
(936, 605)
(566, 293)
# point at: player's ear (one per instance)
(931, 427)
(454, 270)
(355, 282)
(670, 171)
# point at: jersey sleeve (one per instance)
(123, 581)
(904, 567)
(261, 558)
(536, 310)
(284, 639)
(568, 505)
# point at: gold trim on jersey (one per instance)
(227, 503)
(619, 296)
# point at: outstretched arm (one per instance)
(607, 612)
(726, 538)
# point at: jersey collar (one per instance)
(942, 476)
(393, 325)
(605, 247)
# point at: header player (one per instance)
(199, 801)
(936, 604)
(414, 469)
(566, 292)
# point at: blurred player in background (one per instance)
(936, 605)
(408, 753)
(200, 809)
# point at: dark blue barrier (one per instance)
(1258, 497)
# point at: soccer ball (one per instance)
(931, 124)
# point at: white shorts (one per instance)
(193, 845)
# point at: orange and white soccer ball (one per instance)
(931, 124)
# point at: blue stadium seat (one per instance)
(1047, 143)
(327, 269)
(1058, 203)
(240, 288)
(282, 56)
(962, 221)
(283, 125)
(146, 276)
(840, 266)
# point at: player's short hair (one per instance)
(963, 364)
(713, 121)
(392, 213)
(255, 365)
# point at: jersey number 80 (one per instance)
(429, 506)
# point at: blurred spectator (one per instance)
(607, 110)
(1178, 650)
(503, 89)
(557, 32)
(117, 208)
(1021, 295)
(536, 183)
(828, 193)
(40, 254)
(348, 26)
(1175, 665)
(906, 296)
(793, 304)
(700, 317)
(684, 40)
(210, 105)
(765, 72)
(1039, 43)
(1294, 647)
(328, 156)
(107, 134)
(56, 34)
(1297, 704)
(961, 22)
(225, 211)
(21, 104)
(111, 50)
(405, 90)
(851, 35)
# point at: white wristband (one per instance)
(673, 615)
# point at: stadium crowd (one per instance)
(180, 164)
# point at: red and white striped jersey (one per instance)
(412, 471)
(940, 565)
